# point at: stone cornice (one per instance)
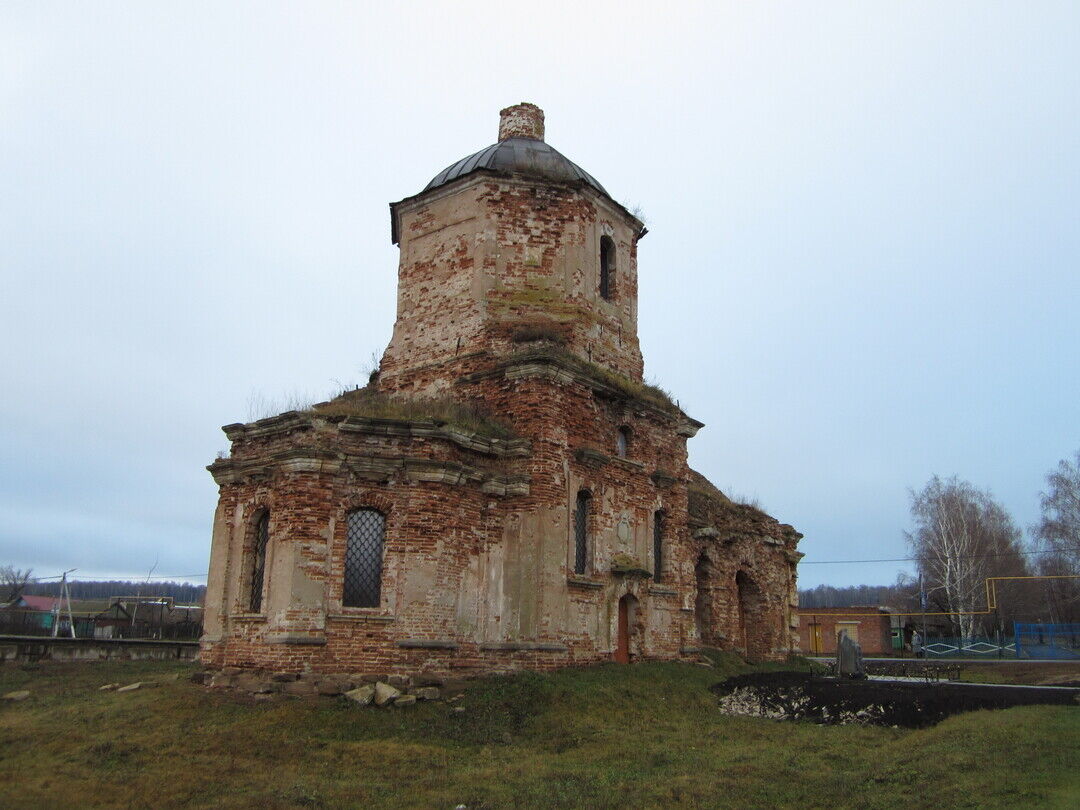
(548, 364)
(293, 421)
(373, 468)
(483, 175)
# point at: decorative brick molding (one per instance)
(502, 324)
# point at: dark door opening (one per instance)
(626, 618)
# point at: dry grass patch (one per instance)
(604, 737)
(372, 404)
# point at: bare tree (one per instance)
(1058, 534)
(961, 536)
(13, 581)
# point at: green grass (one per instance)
(643, 736)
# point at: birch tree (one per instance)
(961, 536)
(1058, 534)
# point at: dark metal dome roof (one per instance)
(522, 156)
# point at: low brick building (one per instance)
(506, 492)
(869, 625)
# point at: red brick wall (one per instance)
(479, 549)
(873, 631)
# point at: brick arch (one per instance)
(752, 631)
(367, 500)
(254, 511)
(632, 592)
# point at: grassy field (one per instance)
(606, 737)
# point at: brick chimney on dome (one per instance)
(521, 121)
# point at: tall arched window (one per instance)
(581, 531)
(607, 268)
(258, 565)
(364, 534)
(622, 441)
(658, 544)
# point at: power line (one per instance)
(915, 559)
(123, 578)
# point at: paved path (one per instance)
(942, 660)
(899, 679)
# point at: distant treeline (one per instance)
(824, 596)
(183, 592)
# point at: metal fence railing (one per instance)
(977, 647)
(40, 623)
(1048, 641)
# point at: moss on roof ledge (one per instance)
(599, 377)
(372, 404)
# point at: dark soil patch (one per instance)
(798, 696)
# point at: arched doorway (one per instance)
(750, 628)
(703, 599)
(627, 617)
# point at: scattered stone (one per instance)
(202, 678)
(332, 686)
(255, 683)
(385, 693)
(399, 681)
(16, 696)
(405, 700)
(458, 709)
(108, 687)
(264, 696)
(299, 688)
(362, 694)
(232, 670)
(426, 693)
(284, 677)
(131, 687)
(374, 677)
(221, 681)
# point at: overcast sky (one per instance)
(861, 269)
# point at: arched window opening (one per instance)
(258, 565)
(658, 545)
(622, 441)
(365, 532)
(581, 531)
(607, 268)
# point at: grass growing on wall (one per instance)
(643, 736)
(367, 402)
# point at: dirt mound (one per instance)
(798, 696)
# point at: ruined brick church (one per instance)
(506, 492)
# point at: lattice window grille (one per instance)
(581, 533)
(365, 533)
(258, 567)
(658, 545)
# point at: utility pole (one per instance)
(65, 592)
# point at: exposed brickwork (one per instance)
(521, 121)
(498, 306)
